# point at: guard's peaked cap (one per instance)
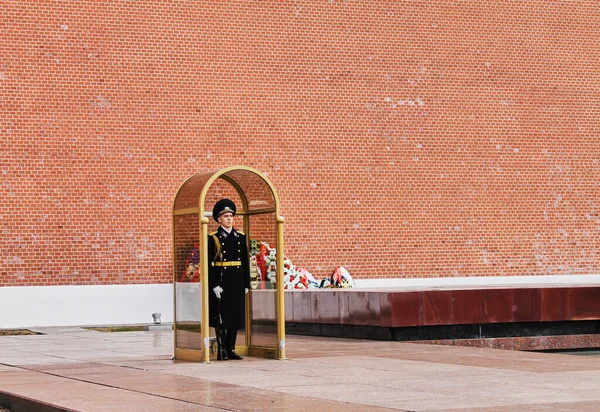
(223, 206)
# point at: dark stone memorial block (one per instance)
(555, 304)
(375, 308)
(289, 307)
(467, 306)
(527, 305)
(585, 303)
(326, 306)
(406, 308)
(316, 305)
(445, 314)
(302, 306)
(498, 305)
(385, 309)
(437, 307)
(343, 301)
(359, 307)
(306, 306)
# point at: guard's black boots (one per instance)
(234, 356)
(231, 336)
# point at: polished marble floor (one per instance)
(86, 370)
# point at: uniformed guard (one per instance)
(229, 278)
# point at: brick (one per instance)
(405, 140)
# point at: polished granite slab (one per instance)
(392, 308)
(526, 343)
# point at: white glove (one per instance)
(218, 290)
(246, 291)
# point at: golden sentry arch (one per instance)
(265, 309)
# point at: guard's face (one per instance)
(226, 220)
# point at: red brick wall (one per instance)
(406, 139)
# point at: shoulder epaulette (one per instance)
(213, 233)
(241, 233)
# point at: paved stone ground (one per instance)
(132, 371)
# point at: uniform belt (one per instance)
(228, 263)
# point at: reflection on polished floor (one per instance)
(86, 370)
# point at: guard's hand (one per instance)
(246, 291)
(218, 290)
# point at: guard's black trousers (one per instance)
(230, 341)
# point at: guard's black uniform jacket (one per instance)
(234, 279)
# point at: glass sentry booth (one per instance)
(259, 218)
